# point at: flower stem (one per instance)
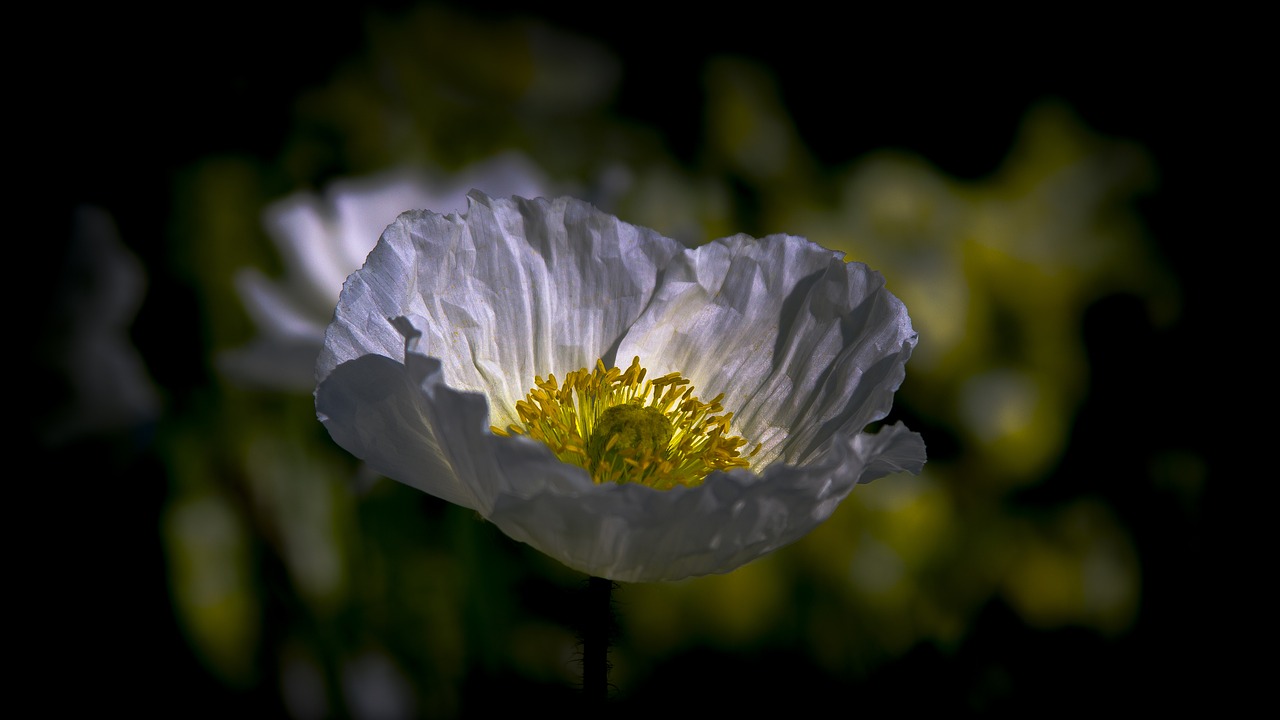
(597, 631)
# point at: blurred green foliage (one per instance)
(301, 583)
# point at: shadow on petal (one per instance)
(399, 424)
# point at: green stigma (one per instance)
(629, 429)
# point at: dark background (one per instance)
(145, 96)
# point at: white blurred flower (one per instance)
(86, 343)
(804, 349)
(324, 239)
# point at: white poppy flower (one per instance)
(322, 239)
(436, 343)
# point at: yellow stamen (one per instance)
(622, 428)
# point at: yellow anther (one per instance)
(622, 428)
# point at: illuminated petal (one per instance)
(511, 290)
(801, 343)
(323, 238)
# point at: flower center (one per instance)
(623, 428)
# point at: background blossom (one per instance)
(322, 240)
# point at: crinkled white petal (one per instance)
(407, 424)
(801, 343)
(814, 349)
(633, 533)
(363, 207)
(323, 238)
(511, 290)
